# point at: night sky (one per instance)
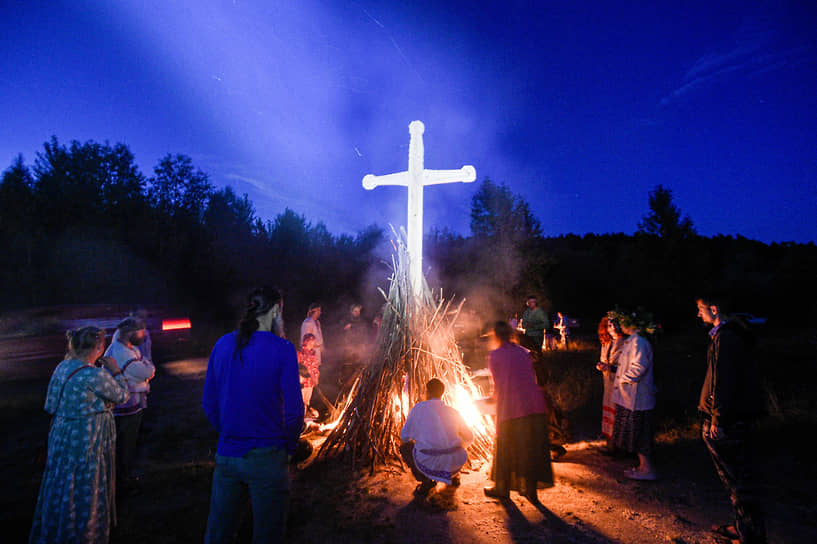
(581, 108)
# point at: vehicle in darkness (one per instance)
(750, 319)
(36, 335)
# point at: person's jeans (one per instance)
(265, 472)
(731, 455)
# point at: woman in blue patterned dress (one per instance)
(76, 501)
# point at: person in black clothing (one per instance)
(731, 402)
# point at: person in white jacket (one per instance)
(634, 397)
(138, 370)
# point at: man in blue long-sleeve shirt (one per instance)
(252, 396)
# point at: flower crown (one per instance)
(640, 319)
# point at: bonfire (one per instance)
(415, 342)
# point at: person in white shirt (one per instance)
(139, 370)
(433, 440)
(312, 326)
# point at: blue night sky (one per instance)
(581, 108)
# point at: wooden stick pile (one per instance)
(415, 343)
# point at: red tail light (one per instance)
(175, 324)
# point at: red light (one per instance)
(175, 324)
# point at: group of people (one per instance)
(255, 397)
(730, 403)
(96, 396)
(626, 364)
(434, 436)
(535, 327)
(356, 337)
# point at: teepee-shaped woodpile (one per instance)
(415, 343)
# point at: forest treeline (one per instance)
(84, 225)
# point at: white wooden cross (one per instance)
(415, 179)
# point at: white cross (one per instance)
(415, 179)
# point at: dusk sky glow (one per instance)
(581, 108)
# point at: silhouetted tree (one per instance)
(664, 218)
(503, 227)
(178, 188)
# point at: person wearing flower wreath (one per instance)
(634, 393)
(612, 339)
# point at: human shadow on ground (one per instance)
(418, 522)
(551, 529)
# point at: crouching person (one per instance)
(433, 439)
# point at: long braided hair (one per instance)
(259, 301)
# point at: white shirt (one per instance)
(139, 372)
(438, 432)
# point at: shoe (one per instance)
(424, 488)
(494, 493)
(635, 474)
(557, 452)
(727, 531)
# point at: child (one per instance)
(309, 368)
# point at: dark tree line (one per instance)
(663, 267)
(84, 225)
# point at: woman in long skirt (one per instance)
(611, 338)
(76, 500)
(522, 448)
(634, 396)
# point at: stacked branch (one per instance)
(415, 343)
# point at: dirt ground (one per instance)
(591, 502)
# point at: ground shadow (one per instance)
(551, 529)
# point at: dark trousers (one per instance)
(264, 472)
(127, 432)
(731, 455)
(407, 453)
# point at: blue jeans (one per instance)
(265, 472)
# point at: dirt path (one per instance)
(591, 502)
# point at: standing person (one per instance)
(433, 440)
(612, 338)
(252, 397)
(522, 447)
(534, 322)
(355, 337)
(308, 359)
(634, 394)
(130, 334)
(76, 501)
(312, 325)
(731, 402)
(146, 347)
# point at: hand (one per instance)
(111, 364)
(716, 433)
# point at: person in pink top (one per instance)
(522, 447)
